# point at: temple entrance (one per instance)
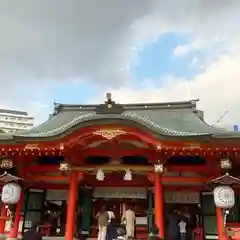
(182, 206)
(46, 208)
(119, 206)
(117, 200)
(189, 213)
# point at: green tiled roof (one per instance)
(179, 119)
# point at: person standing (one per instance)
(78, 222)
(103, 218)
(111, 215)
(129, 220)
(182, 229)
(172, 226)
(111, 233)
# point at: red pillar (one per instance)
(3, 221)
(219, 220)
(13, 234)
(158, 204)
(71, 206)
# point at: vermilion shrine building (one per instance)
(156, 156)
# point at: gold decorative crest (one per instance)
(109, 133)
(31, 147)
(193, 146)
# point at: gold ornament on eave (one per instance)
(109, 133)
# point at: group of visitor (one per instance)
(179, 225)
(106, 229)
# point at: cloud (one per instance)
(181, 50)
(44, 42)
(64, 39)
(217, 88)
(185, 49)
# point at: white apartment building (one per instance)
(11, 120)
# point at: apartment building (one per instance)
(11, 120)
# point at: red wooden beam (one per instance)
(143, 135)
(106, 183)
(40, 178)
(181, 168)
(46, 178)
(51, 186)
(176, 168)
(121, 152)
(57, 186)
(40, 169)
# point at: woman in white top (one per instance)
(182, 229)
(129, 219)
(102, 217)
(111, 216)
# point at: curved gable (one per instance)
(159, 124)
(164, 119)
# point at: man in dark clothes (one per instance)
(32, 233)
(172, 227)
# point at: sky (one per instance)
(74, 51)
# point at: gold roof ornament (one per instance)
(109, 133)
(31, 147)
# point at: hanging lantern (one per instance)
(100, 175)
(128, 175)
(11, 193)
(6, 163)
(224, 197)
(158, 168)
(225, 163)
(65, 167)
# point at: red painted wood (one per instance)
(81, 135)
(40, 169)
(158, 204)
(121, 152)
(219, 219)
(3, 221)
(71, 207)
(181, 168)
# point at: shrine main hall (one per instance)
(159, 157)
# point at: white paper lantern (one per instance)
(128, 175)
(158, 168)
(100, 175)
(11, 193)
(224, 197)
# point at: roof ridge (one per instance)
(178, 104)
